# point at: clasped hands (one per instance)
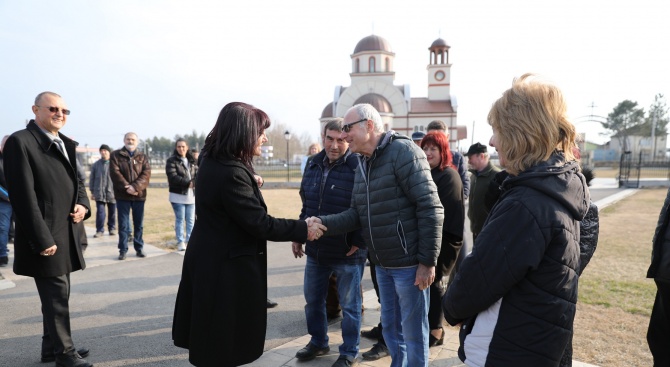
(314, 228)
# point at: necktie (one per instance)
(59, 144)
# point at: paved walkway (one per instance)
(123, 313)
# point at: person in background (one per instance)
(403, 242)
(102, 191)
(518, 286)
(130, 172)
(5, 211)
(49, 201)
(219, 314)
(311, 151)
(482, 172)
(196, 154)
(450, 191)
(459, 162)
(326, 189)
(658, 332)
(417, 136)
(181, 169)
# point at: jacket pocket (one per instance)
(401, 236)
(335, 187)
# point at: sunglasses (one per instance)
(56, 109)
(346, 128)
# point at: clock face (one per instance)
(439, 75)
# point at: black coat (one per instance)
(43, 189)
(220, 313)
(178, 175)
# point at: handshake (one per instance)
(314, 228)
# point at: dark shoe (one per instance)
(122, 256)
(310, 352)
(112, 232)
(272, 304)
(344, 361)
(141, 254)
(4, 261)
(433, 341)
(75, 360)
(333, 317)
(46, 358)
(98, 234)
(374, 333)
(377, 351)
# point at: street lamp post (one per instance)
(287, 136)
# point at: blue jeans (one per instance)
(5, 219)
(124, 207)
(404, 316)
(349, 290)
(182, 211)
(100, 216)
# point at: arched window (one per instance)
(358, 66)
(372, 64)
(388, 65)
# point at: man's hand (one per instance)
(314, 228)
(50, 251)
(352, 251)
(93, 197)
(131, 190)
(425, 275)
(297, 249)
(79, 213)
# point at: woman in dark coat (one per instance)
(450, 190)
(220, 313)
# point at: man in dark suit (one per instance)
(48, 201)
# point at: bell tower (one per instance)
(439, 71)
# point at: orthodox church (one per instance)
(372, 78)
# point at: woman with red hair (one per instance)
(450, 191)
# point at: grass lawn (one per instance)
(615, 298)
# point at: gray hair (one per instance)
(366, 111)
(436, 125)
(39, 96)
(131, 133)
(333, 124)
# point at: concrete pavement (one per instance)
(122, 310)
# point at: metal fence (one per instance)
(632, 168)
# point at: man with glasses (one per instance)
(48, 200)
(130, 171)
(395, 203)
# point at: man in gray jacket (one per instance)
(102, 191)
(395, 203)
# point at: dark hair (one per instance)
(442, 143)
(236, 132)
(189, 155)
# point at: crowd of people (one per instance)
(367, 195)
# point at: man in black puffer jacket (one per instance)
(395, 202)
(326, 189)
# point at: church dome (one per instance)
(377, 101)
(327, 111)
(372, 43)
(439, 43)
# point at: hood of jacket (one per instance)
(557, 179)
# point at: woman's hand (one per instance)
(314, 228)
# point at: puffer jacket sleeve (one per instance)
(412, 173)
(588, 236)
(509, 246)
(172, 172)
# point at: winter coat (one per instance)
(100, 183)
(3, 183)
(660, 254)
(44, 188)
(330, 197)
(395, 202)
(450, 191)
(516, 292)
(221, 312)
(479, 186)
(178, 179)
(126, 170)
(459, 163)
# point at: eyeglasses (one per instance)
(56, 109)
(346, 128)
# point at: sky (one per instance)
(162, 68)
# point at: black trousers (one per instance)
(55, 296)
(658, 334)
